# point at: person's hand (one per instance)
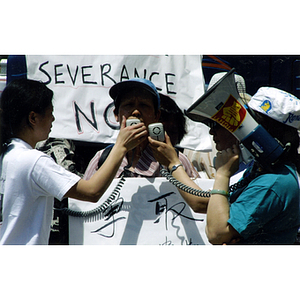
(131, 136)
(164, 153)
(227, 161)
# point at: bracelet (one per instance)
(221, 192)
(175, 167)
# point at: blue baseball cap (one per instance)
(125, 86)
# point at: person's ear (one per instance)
(32, 118)
(116, 116)
(158, 115)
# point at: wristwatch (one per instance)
(175, 168)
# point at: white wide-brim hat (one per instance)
(278, 105)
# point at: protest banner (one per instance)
(144, 212)
(83, 109)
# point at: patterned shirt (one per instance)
(147, 166)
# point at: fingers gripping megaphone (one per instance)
(223, 104)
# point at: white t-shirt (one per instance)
(32, 181)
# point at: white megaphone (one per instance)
(222, 104)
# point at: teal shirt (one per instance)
(267, 211)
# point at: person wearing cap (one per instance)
(221, 138)
(263, 208)
(137, 98)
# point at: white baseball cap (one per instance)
(239, 81)
(278, 105)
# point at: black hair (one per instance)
(19, 98)
(173, 119)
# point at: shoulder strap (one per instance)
(104, 155)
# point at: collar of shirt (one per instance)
(147, 165)
(19, 142)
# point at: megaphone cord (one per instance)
(255, 172)
(98, 212)
(182, 186)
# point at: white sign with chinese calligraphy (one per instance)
(144, 212)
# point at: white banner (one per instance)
(145, 212)
(83, 109)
